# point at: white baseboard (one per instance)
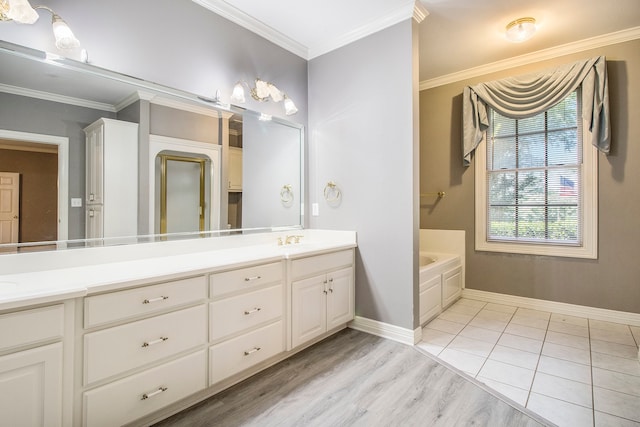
(385, 330)
(623, 317)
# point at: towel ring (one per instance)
(286, 194)
(332, 192)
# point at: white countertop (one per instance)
(98, 269)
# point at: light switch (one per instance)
(315, 209)
(76, 202)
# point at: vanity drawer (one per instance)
(238, 354)
(101, 309)
(313, 265)
(123, 401)
(244, 278)
(31, 326)
(241, 312)
(129, 346)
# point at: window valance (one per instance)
(525, 96)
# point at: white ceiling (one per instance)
(456, 35)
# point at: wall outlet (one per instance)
(315, 209)
(76, 202)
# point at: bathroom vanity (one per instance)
(109, 336)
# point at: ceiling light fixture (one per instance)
(263, 91)
(22, 12)
(521, 29)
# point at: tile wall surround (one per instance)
(571, 370)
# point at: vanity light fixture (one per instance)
(22, 12)
(521, 29)
(263, 91)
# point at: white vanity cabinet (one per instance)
(111, 178)
(322, 295)
(31, 379)
(143, 349)
(246, 318)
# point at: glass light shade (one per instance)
(238, 94)
(22, 12)
(521, 29)
(289, 107)
(63, 34)
(262, 89)
(275, 93)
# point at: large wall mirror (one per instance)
(89, 156)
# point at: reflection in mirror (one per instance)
(48, 106)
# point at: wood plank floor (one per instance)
(355, 379)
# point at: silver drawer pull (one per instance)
(160, 298)
(158, 341)
(153, 393)
(255, 310)
(253, 350)
(251, 279)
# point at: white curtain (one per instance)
(528, 95)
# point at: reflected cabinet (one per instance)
(111, 179)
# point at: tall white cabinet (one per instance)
(111, 179)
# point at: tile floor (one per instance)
(570, 370)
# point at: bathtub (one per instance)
(440, 283)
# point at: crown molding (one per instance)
(407, 11)
(236, 16)
(31, 93)
(541, 55)
(419, 12)
(411, 9)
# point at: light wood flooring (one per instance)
(356, 379)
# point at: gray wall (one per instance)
(362, 137)
(175, 43)
(613, 280)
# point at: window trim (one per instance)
(589, 188)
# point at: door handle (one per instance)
(15, 217)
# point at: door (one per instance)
(308, 309)
(9, 207)
(31, 387)
(182, 194)
(340, 299)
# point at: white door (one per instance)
(31, 387)
(9, 207)
(308, 309)
(340, 299)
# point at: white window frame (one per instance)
(589, 222)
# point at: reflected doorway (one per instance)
(183, 203)
(41, 162)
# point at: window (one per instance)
(536, 185)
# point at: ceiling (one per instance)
(456, 35)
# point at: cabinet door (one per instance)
(95, 155)
(31, 387)
(308, 312)
(340, 299)
(451, 286)
(235, 169)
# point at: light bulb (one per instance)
(63, 34)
